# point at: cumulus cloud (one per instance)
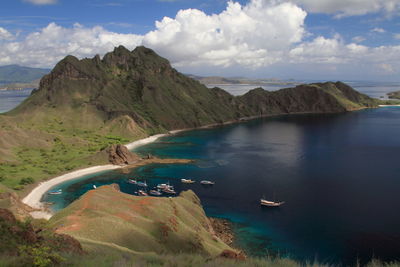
(378, 30)
(255, 34)
(5, 35)
(350, 7)
(258, 34)
(41, 2)
(47, 46)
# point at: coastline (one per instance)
(33, 198)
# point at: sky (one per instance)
(286, 39)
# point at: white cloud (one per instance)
(46, 47)
(5, 35)
(254, 35)
(41, 2)
(378, 30)
(358, 39)
(396, 36)
(350, 7)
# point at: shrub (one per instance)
(27, 180)
(18, 187)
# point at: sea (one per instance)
(338, 174)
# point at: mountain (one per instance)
(82, 106)
(394, 95)
(20, 74)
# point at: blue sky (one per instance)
(301, 39)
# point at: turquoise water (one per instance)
(339, 175)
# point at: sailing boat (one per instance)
(269, 203)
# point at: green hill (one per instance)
(84, 105)
(20, 74)
(139, 225)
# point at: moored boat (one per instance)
(268, 203)
(56, 192)
(155, 193)
(142, 193)
(169, 191)
(164, 186)
(143, 184)
(187, 181)
(206, 182)
(132, 181)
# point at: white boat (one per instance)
(268, 203)
(155, 193)
(143, 184)
(94, 186)
(187, 181)
(56, 192)
(206, 182)
(132, 181)
(142, 193)
(169, 191)
(165, 186)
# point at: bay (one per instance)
(338, 174)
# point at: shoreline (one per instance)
(33, 198)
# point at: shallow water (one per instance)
(339, 176)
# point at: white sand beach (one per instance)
(33, 199)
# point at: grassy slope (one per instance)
(138, 225)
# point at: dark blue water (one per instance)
(339, 175)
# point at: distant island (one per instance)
(218, 80)
(15, 77)
(394, 95)
(84, 108)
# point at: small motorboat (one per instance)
(187, 181)
(169, 191)
(142, 193)
(56, 192)
(268, 203)
(94, 186)
(206, 182)
(132, 181)
(142, 184)
(155, 193)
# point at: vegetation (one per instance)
(82, 106)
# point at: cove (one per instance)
(337, 173)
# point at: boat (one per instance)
(142, 193)
(94, 186)
(143, 184)
(268, 203)
(187, 181)
(132, 181)
(169, 191)
(165, 186)
(206, 182)
(56, 192)
(155, 193)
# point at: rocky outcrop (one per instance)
(17, 207)
(120, 155)
(230, 254)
